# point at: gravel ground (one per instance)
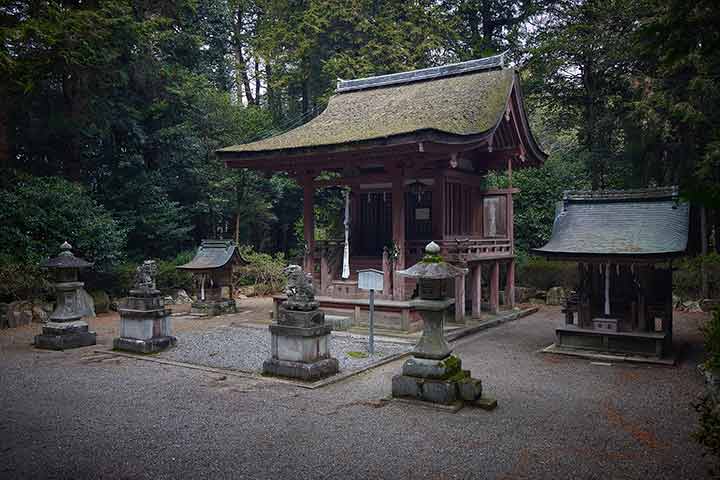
(246, 348)
(80, 415)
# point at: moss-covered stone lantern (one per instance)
(65, 328)
(433, 374)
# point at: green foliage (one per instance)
(40, 213)
(708, 432)
(263, 271)
(687, 275)
(20, 280)
(169, 277)
(544, 274)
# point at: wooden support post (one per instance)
(495, 288)
(324, 272)
(438, 208)
(476, 290)
(510, 284)
(398, 229)
(309, 223)
(460, 299)
(510, 223)
(387, 274)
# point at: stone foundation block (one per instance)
(438, 391)
(301, 371)
(152, 345)
(470, 389)
(428, 368)
(404, 386)
(65, 341)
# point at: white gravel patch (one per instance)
(246, 348)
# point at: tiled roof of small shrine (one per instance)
(460, 100)
(632, 223)
(211, 254)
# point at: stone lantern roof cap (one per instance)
(432, 266)
(66, 259)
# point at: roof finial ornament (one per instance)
(66, 249)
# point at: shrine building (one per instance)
(413, 149)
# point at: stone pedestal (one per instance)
(144, 323)
(65, 329)
(300, 344)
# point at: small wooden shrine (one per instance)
(413, 150)
(212, 270)
(623, 243)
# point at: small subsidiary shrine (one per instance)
(212, 270)
(624, 243)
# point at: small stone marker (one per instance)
(65, 328)
(300, 339)
(145, 325)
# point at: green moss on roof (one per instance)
(467, 104)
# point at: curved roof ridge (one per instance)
(478, 64)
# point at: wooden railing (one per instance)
(460, 250)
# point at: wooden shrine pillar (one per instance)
(387, 274)
(495, 287)
(460, 299)
(510, 283)
(398, 231)
(309, 223)
(476, 290)
(438, 207)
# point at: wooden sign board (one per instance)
(370, 279)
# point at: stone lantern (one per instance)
(65, 328)
(433, 374)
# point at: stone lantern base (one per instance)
(300, 346)
(439, 381)
(145, 325)
(65, 335)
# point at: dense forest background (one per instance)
(111, 110)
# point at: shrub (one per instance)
(169, 277)
(687, 278)
(40, 213)
(21, 280)
(711, 336)
(263, 271)
(544, 274)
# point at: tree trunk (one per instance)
(703, 251)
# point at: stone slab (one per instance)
(290, 331)
(65, 342)
(470, 389)
(300, 318)
(486, 403)
(152, 345)
(299, 370)
(427, 368)
(64, 328)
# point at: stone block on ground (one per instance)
(556, 296)
(182, 297)
(19, 313)
(486, 403)
(470, 389)
(301, 371)
(101, 301)
(524, 294)
(439, 391)
(404, 386)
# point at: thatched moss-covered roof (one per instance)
(457, 105)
